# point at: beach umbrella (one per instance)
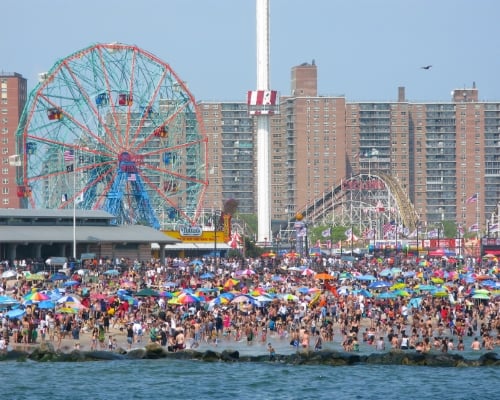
(366, 278)
(248, 272)
(292, 255)
(385, 272)
(415, 302)
(437, 280)
(323, 276)
(480, 291)
(242, 298)
(363, 292)
(440, 293)
(71, 283)
(268, 255)
(398, 286)
(147, 292)
(35, 277)
(230, 283)
(481, 296)
(409, 274)
(379, 285)
(16, 313)
(207, 275)
(9, 274)
(345, 275)
(112, 272)
(69, 299)
(387, 295)
(46, 305)
(402, 293)
(289, 297)
(66, 310)
(307, 272)
(7, 300)
(58, 277)
(196, 262)
(36, 296)
(187, 298)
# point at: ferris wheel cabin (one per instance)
(54, 114)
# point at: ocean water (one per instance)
(175, 379)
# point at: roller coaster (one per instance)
(366, 202)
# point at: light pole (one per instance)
(216, 218)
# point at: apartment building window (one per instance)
(5, 150)
(5, 201)
(5, 181)
(5, 171)
(5, 190)
(4, 111)
(5, 140)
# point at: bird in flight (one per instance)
(426, 67)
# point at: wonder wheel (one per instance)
(112, 127)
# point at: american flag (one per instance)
(69, 155)
(132, 177)
(474, 228)
(472, 199)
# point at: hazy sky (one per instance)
(364, 49)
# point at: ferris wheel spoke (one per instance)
(148, 112)
(94, 117)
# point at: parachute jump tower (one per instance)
(262, 103)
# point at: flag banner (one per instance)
(432, 234)
(461, 230)
(79, 198)
(380, 207)
(326, 233)
(471, 199)
(132, 177)
(69, 155)
(493, 228)
(64, 198)
(69, 168)
(328, 244)
(474, 228)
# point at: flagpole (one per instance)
(74, 212)
(477, 215)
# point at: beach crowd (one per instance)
(183, 303)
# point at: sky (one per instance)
(364, 49)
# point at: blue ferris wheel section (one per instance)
(135, 209)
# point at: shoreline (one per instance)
(153, 351)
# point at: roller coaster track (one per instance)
(360, 199)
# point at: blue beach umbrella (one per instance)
(16, 313)
(47, 305)
(366, 278)
(387, 295)
(379, 284)
(7, 300)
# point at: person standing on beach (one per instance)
(130, 335)
(272, 352)
(380, 345)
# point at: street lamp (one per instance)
(216, 218)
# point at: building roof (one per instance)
(19, 225)
(41, 213)
(84, 234)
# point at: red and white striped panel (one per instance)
(262, 97)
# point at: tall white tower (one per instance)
(262, 103)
